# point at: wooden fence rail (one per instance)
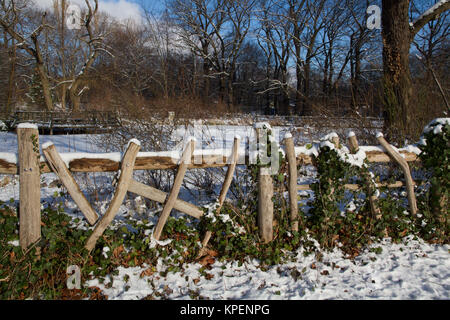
(30, 165)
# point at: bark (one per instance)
(396, 73)
(398, 34)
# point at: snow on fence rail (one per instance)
(110, 162)
(29, 164)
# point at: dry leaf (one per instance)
(147, 272)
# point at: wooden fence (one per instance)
(30, 165)
(55, 121)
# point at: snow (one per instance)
(14, 243)
(262, 125)
(153, 242)
(436, 125)
(3, 126)
(135, 141)
(372, 148)
(47, 144)
(27, 126)
(430, 11)
(410, 270)
(413, 148)
(329, 136)
(8, 157)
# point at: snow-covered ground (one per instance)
(412, 270)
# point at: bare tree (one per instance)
(308, 39)
(200, 22)
(429, 41)
(12, 13)
(275, 39)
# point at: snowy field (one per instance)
(412, 270)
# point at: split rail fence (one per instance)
(30, 165)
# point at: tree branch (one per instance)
(430, 14)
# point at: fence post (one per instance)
(293, 191)
(30, 184)
(173, 194)
(406, 171)
(265, 205)
(354, 147)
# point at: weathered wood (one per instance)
(353, 142)
(230, 173)
(224, 190)
(293, 192)
(185, 159)
(396, 184)
(406, 171)
(7, 167)
(335, 140)
(119, 195)
(382, 157)
(375, 210)
(161, 196)
(164, 162)
(265, 205)
(30, 186)
(59, 167)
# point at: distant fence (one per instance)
(98, 121)
(60, 121)
(29, 165)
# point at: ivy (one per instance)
(435, 155)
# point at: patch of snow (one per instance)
(135, 141)
(153, 242)
(436, 125)
(27, 126)
(14, 243)
(262, 125)
(412, 148)
(329, 136)
(8, 157)
(47, 144)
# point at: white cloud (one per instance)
(118, 9)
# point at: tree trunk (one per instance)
(45, 86)
(74, 97)
(230, 90)
(307, 110)
(12, 77)
(397, 79)
(206, 67)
